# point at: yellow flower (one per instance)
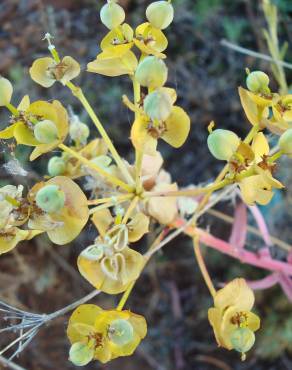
(14, 212)
(110, 334)
(6, 91)
(63, 214)
(10, 237)
(258, 188)
(174, 130)
(40, 124)
(256, 107)
(282, 112)
(46, 71)
(114, 61)
(232, 310)
(150, 40)
(109, 264)
(118, 40)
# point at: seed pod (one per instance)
(158, 105)
(80, 354)
(112, 15)
(6, 91)
(258, 81)
(56, 166)
(242, 339)
(121, 332)
(79, 132)
(151, 72)
(285, 142)
(94, 252)
(45, 131)
(223, 144)
(160, 14)
(50, 199)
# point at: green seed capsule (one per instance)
(112, 15)
(79, 132)
(56, 166)
(102, 161)
(151, 72)
(223, 144)
(242, 339)
(285, 142)
(50, 199)
(121, 332)
(80, 354)
(45, 131)
(160, 14)
(158, 105)
(6, 91)
(258, 82)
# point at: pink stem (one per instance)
(261, 261)
(245, 256)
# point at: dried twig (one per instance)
(9, 364)
(252, 53)
(29, 323)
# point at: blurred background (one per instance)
(40, 277)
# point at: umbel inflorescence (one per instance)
(126, 198)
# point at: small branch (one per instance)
(222, 216)
(252, 53)
(10, 364)
(130, 210)
(203, 267)
(112, 179)
(77, 92)
(191, 192)
(111, 199)
(72, 306)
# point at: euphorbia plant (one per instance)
(123, 199)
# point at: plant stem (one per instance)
(72, 306)
(189, 193)
(131, 208)
(254, 54)
(125, 296)
(114, 198)
(110, 204)
(202, 266)
(77, 91)
(254, 130)
(276, 156)
(139, 154)
(114, 180)
(12, 109)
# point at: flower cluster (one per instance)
(125, 200)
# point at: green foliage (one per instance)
(277, 336)
(234, 29)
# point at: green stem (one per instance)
(276, 156)
(112, 179)
(189, 193)
(251, 134)
(12, 109)
(139, 154)
(77, 91)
